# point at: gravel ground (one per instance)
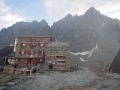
(84, 79)
(57, 80)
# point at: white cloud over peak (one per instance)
(7, 17)
(57, 9)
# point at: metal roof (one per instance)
(53, 44)
(34, 37)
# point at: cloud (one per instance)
(57, 9)
(7, 17)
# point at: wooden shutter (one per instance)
(29, 52)
(20, 52)
(28, 61)
(39, 52)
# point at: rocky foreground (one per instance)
(82, 79)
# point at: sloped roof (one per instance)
(6, 51)
(115, 66)
(48, 36)
(53, 44)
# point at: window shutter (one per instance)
(43, 52)
(20, 52)
(21, 44)
(63, 57)
(53, 56)
(28, 61)
(44, 44)
(29, 52)
(23, 52)
(39, 52)
(30, 44)
(48, 56)
(38, 44)
(38, 60)
(19, 60)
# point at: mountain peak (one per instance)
(92, 11)
(92, 8)
(43, 22)
(68, 16)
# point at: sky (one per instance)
(12, 11)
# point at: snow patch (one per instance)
(80, 53)
(15, 45)
(83, 60)
(96, 48)
(89, 53)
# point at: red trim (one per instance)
(38, 60)
(29, 52)
(63, 56)
(44, 44)
(20, 52)
(19, 60)
(39, 44)
(28, 61)
(26, 44)
(21, 44)
(39, 52)
(51, 56)
(42, 60)
(30, 44)
(43, 52)
(36, 37)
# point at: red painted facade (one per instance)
(31, 50)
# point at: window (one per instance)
(32, 52)
(23, 52)
(42, 44)
(32, 44)
(57, 56)
(24, 44)
(42, 52)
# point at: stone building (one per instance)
(31, 49)
(57, 56)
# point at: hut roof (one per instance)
(6, 51)
(115, 66)
(57, 44)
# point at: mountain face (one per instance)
(7, 36)
(94, 38)
(83, 32)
